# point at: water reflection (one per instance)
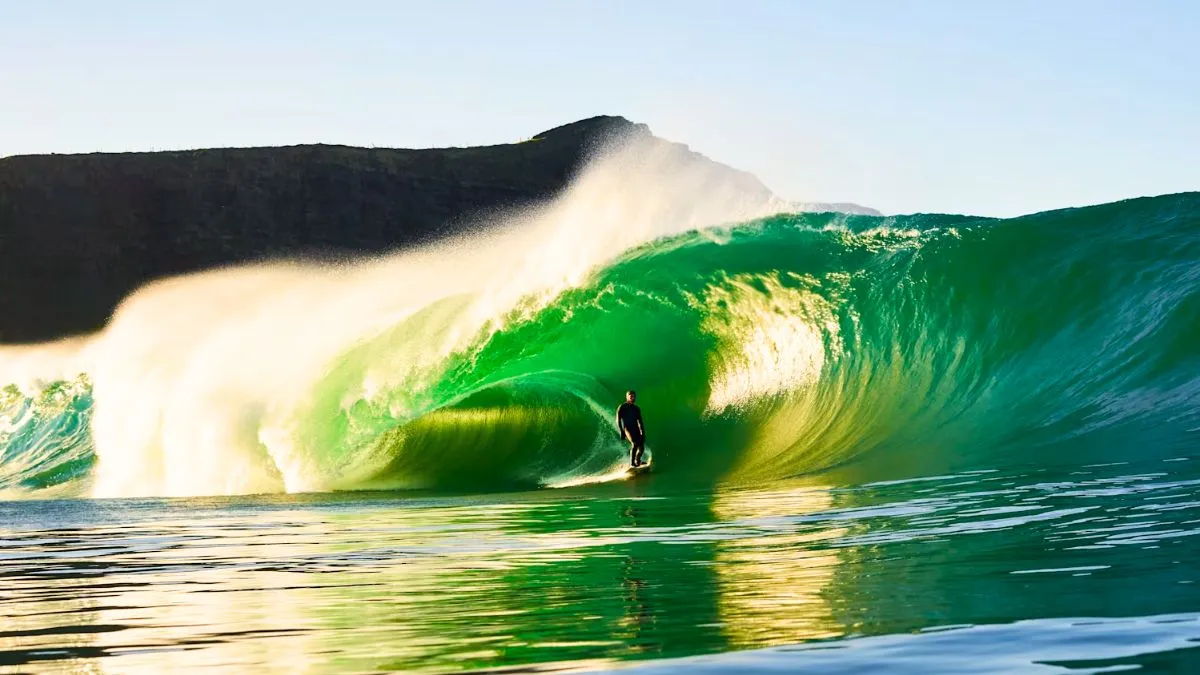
(774, 578)
(362, 584)
(586, 577)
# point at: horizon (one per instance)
(997, 110)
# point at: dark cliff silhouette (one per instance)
(80, 232)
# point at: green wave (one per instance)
(863, 347)
(803, 343)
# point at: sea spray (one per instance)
(220, 382)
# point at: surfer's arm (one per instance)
(620, 424)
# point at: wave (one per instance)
(776, 346)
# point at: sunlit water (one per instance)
(1093, 569)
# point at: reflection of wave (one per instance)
(782, 577)
(778, 347)
(620, 572)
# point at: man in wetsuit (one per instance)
(629, 423)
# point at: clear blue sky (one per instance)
(996, 108)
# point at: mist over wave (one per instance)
(213, 383)
(764, 345)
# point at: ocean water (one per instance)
(1091, 569)
(930, 443)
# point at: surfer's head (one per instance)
(631, 396)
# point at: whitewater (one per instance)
(764, 344)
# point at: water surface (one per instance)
(983, 571)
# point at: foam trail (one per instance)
(208, 384)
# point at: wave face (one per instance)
(802, 343)
(864, 347)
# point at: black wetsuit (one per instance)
(629, 422)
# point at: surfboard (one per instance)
(645, 468)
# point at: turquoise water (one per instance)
(939, 443)
(990, 571)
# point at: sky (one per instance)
(989, 108)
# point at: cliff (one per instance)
(79, 232)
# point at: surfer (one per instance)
(629, 423)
